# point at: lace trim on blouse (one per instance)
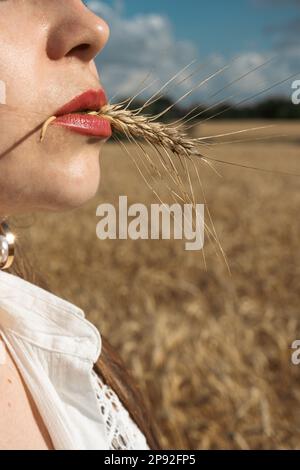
(122, 431)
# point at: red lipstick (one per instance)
(70, 116)
(85, 124)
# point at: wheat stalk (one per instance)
(171, 139)
(135, 125)
(167, 141)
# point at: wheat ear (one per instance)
(167, 136)
(131, 124)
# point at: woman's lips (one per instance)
(69, 115)
(93, 100)
(85, 124)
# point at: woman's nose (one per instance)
(76, 32)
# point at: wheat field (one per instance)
(210, 349)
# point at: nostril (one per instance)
(82, 48)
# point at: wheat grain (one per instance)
(135, 125)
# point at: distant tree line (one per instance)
(270, 108)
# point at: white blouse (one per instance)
(55, 348)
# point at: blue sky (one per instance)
(162, 36)
(221, 26)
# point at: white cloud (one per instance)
(147, 43)
(138, 46)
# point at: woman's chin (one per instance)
(74, 182)
(77, 192)
(72, 198)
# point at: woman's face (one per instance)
(47, 49)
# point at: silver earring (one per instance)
(7, 246)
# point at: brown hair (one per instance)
(110, 367)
